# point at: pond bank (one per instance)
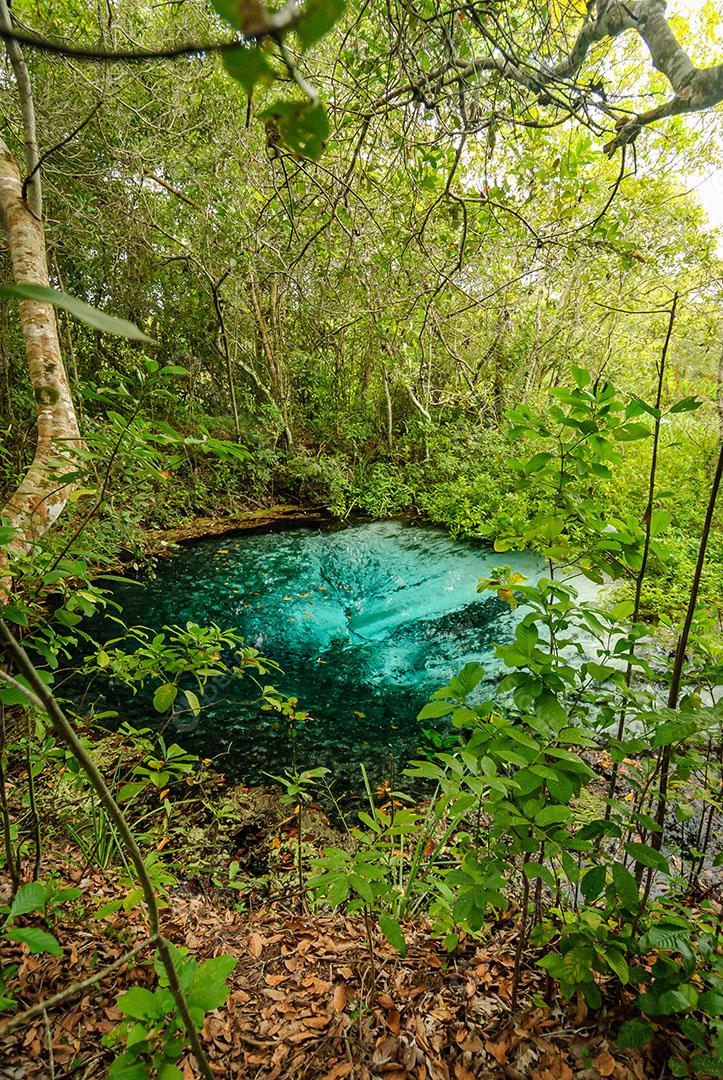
(265, 518)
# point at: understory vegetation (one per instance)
(413, 260)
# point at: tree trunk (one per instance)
(277, 393)
(27, 108)
(390, 413)
(42, 494)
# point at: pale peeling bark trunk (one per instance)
(25, 93)
(42, 494)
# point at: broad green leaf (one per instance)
(711, 1002)
(141, 1004)
(130, 790)
(637, 407)
(81, 493)
(38, 941)
(659, 522)
(247, 65)
(317, 19)
(107, 909)
(434, 709)
(29, 897)
(208, 989)
(303, 126)
(648, 856)
(171, 370)
(673, 731)
(164, 696)
(617, 963)
(538, 870)
(599, 672)
(193, 702)
(169, 1071)
(228, 10)
(694, 1030)
(127, 1067)
(706, 1065)
(108, 324)
(537, 462)
(631, 432)
(577, 964)
(686, 404)
(552, 815)
(468, 678)
(13, 613)
(634, 1033)
(665, 1004)
(393, 932)
(592, 883)
(625, 886)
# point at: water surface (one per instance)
(366, 622)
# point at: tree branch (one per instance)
(274, 24)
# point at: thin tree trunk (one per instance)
(274, 370)
(27, 108)
(677, 674)
(648, 521)
(215, 285)
(390, 413)
(45, 702)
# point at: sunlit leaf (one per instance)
(247, 65)
(317, 19)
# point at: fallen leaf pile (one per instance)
(304, 1003)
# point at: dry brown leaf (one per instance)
(385, 1051)
(605, 1064)
(393, 1021)
(339, 1071)
(498, 1050)
(317, 1021)
(581, 1010)
(256, 945)
(301, 1036)
(340, 997)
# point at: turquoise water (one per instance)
(366, 621)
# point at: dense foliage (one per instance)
(381, 259)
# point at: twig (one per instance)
(58, 146)
(49, 1037)
(70, 991)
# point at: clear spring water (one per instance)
(366, 622)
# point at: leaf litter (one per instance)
(303, 1004)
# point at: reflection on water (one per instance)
(365, 621)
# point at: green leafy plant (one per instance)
(153, 1030)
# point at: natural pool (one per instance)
(366, 621)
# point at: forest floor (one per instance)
(305, 1002)
(307, 997)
